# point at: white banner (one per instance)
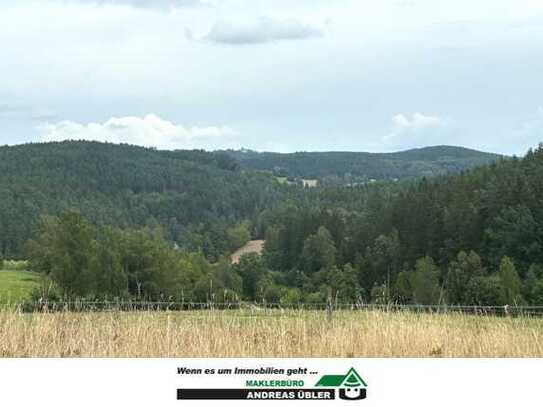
(193, 382)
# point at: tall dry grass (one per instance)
(267, 334)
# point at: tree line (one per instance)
(104, 263)
(470, 238)
(473, 238)
(353, 167)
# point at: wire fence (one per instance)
(267, 307)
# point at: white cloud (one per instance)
(261, 30)
(416, 121)
(86, 61)
(150, 131)
(416, 130)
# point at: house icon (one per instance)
(351, 385)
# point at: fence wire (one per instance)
(263, 307)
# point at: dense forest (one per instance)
(475, 237)
(195, 196)
(355, 167)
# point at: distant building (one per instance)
(310, 183)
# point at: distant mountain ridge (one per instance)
(414, 163)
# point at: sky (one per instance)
(274, 75)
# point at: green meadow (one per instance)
(16, 286)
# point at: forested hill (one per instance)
(199, 198)
(470, 238)
(428, 161)
(128, 187)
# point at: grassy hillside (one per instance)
(429, 161)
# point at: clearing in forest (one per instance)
(253, 246)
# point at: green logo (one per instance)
(351, 385)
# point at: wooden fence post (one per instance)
(329, 306)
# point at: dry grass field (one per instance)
(264, 333)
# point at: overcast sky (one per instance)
(276, 75)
